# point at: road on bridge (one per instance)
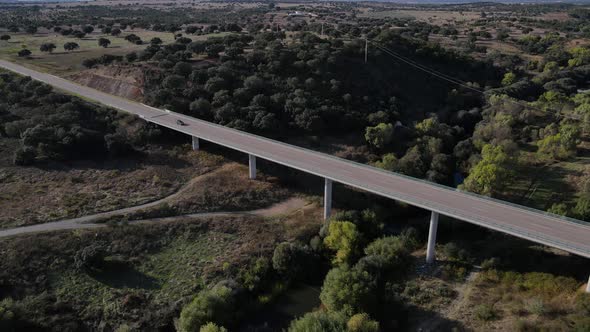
(537, 226)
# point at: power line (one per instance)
(431, 72)
(418, 65)
(452, 79)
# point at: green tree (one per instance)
(427, 127)
(580, 56)
(491, 173)
(344, 238)
(290, 259)
(24, 53)
(391, 248)
(104, 42)
(210, 305)
(561, 145)
(47, 47)
(201, 108)
(362, 323)
(182, 68)
(388, 162)
(174, 82)
(70, 46)
(88, 29)
(156, 41)
(509, 79)
(78, 34)
(380, 135)
(131, 56)
(349, 290)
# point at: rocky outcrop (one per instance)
(123, 81)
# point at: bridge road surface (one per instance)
(568, 235)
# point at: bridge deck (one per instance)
(567, 234)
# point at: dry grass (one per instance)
(431, 16)
(61, 62)
(64, 63)
(521, 299)
(226, 189)
(31, 195)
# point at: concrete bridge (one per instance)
(538, 226)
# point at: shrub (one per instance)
(212, 327)
(536, 306)
(349, 291)
(319, 321)
(210, 305)
(91, 256)
(362, 323)
(411, 238)
(485, 313)
(558, 208)
(454, 272)
(24, 156)
(390, 248)
(490, 263)
(290, 259)
(583, 303)
(7, 316)
(254, 277)
(454, 252)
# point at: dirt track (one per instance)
(287, 206)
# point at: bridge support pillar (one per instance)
(588, 286)
(430, 255)
(252, 165)
(327, 198)
(195, 143)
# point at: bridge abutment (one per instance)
(252, 166)
(195, 143)
(430, 251)
(327, 198)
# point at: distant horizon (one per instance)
(410, 2)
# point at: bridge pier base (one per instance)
(430, 255)
(327, 198)
(252, 166)
(195, 143)
(588, 286)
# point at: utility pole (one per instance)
(366, 49)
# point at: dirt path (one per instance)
(461, 303)
(290, 205)
(454, 310)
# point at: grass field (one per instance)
(432, 16)
(63, 63)
(148, 273)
